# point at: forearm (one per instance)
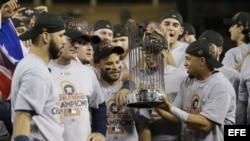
(144, 132)
(21, 124)
(195, 121)
(199, 122)
(166, 115)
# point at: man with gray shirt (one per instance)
(121, 126)
(203, 104)
(33, 92)
(238, 23)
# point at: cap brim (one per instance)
(118, 50)
(227, 21)
(29, 34)
(95, 39)
(77, 34)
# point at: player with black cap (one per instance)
(171, 26)
(208, 89)
(107, 59)
(103, 29)
(79, 90)
(33, 93)
(189, 33)
(238, 23)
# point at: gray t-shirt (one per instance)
(243, 104)
(79, 90)
(33, 89)
(233, 76)
(234, 55)
(214, 98)
(121, 126)
(178, 53)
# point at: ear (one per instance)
(186, 37)
(202, 61)
(220, 49)
(46, 37)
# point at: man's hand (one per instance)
(9, 8)
(19, 14)
(41, 9)
(96, 137)
(121, 97)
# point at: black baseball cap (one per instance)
(104, 49)
(172, 14)
(119, 30)
(239, 18)
(203, 48)
(43, 22)
(213, 37)
(102, 24)
(74, 30)
(189, 29)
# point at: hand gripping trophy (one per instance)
(146, 66)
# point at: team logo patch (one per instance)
(68, 89)
(114, 109)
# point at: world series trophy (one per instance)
(146, 66)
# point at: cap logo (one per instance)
(22, 24)
(174, 16)
(32, 22)
(107, 26)
(118, 34)
(200, 52)
(75, 25)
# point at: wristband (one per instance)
(21, 138)
(182, 115)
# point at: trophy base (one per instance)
(145, 104)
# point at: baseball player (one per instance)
(79, 90)
(33, 92)
(171, 25)
(231, 74)
(203, 103)
(189, 33)
(121, 126)
(238, 23)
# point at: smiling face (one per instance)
(192, 65)
(172, 29)
(110, 68)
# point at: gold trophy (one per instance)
(146, 66)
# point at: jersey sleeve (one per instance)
(33, 92)
(96, 97)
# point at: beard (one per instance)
(105, 76)
(191, 76)
(54, 51)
